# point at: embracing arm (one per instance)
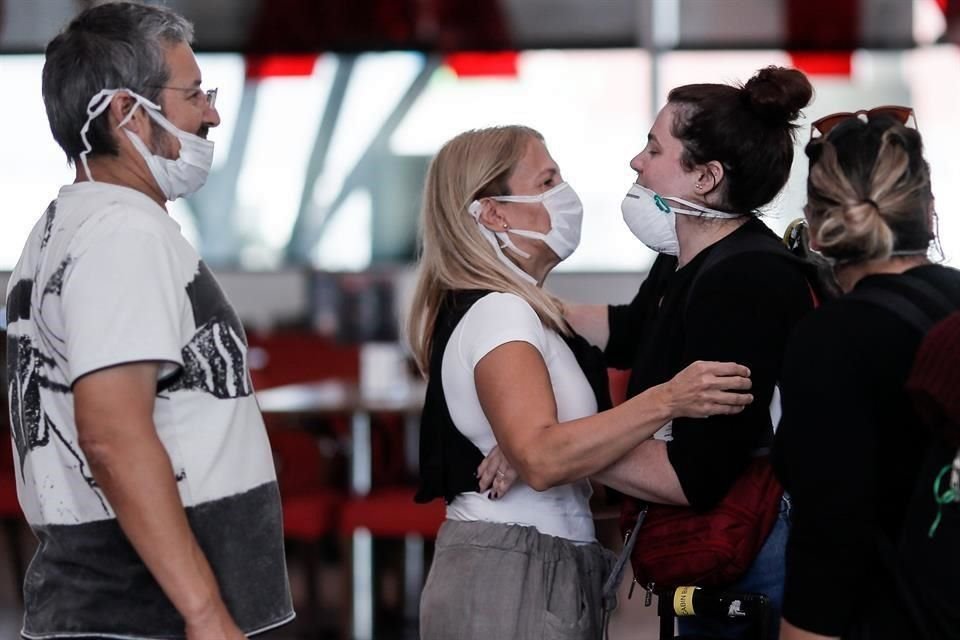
(515, 392)
(114, 414)
(616, 329)
(645, 472)
(591, 321)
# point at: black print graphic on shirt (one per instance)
(50, 214)
(215, 359)
(31, 426)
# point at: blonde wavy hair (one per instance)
(454, 255)
(868, 192)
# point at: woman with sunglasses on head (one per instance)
(503, 367)
(850, 445)
(723, 287)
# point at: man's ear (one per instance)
(120, 108)
(491, 215)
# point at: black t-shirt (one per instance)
(741, 309)
(848, 451)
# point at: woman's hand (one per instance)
(709, 388)
(496, 474)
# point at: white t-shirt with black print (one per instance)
(106, 279)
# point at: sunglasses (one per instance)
(824, 125)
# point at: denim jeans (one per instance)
(765, 575)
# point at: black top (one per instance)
(741, 309)
(448, 459)
(848, 450)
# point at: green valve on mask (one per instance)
(663, 206)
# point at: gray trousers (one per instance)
(503, 581)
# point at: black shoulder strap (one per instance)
(735, 245)
(904, 305)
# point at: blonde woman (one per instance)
(504, 368)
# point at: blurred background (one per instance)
(331, 111)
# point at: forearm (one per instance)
(137, 479)
(565, 452)
(645, 472)
(590, 321)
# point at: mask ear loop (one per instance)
(95, 108)
(502, 236)
(97, 105)
(701, 210)
(491, 237)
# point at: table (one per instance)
(337, 397)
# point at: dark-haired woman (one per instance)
(722, 288)
(851, 445)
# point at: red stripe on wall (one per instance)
(823, 63)
(472, 64)
(272, 66)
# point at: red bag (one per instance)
(678, 546)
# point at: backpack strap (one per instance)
(936, 305)
(735, 245)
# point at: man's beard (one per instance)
(163, 144)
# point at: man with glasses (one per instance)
(142, 460)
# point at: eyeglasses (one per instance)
(209, 94)
(826, 124)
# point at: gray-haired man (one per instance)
(143, 464)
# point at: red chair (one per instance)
(290, 357)
(311, 508)
(387, 513)
(392, 513)
(11, 516)
(295, 357)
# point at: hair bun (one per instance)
(777, 94)
(860, 215)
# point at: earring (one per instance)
(504, 225)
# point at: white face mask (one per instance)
(652, 218)
(175, 178)
(566, 218)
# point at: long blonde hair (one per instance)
(454, 255)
